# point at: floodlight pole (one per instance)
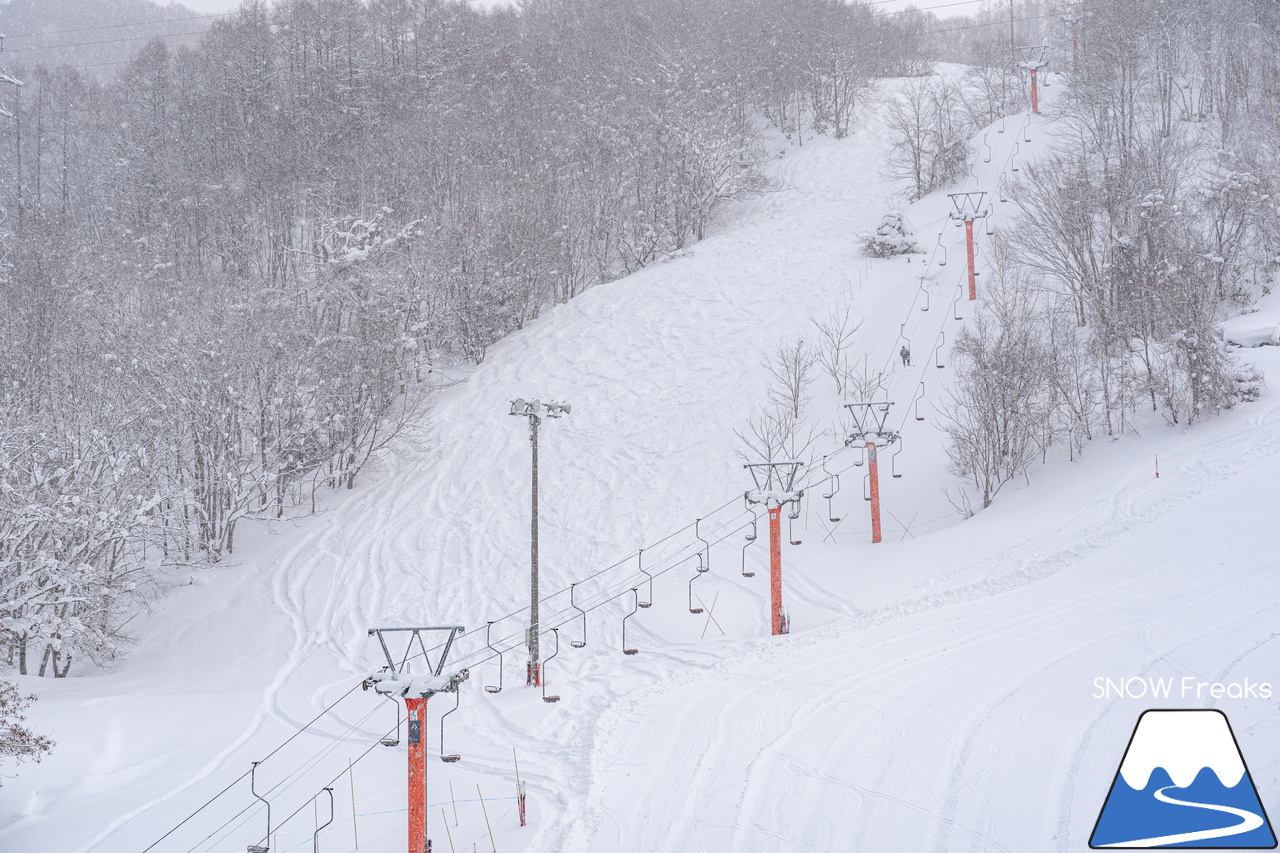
(533, 410)
(968, 207)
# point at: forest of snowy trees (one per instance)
(1156, 218)
(233, 271)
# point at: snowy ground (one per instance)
(937, 691)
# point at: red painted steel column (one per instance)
(1035, 94)
(968, 247)
(775, 568)
(417, 713)
(873, 471)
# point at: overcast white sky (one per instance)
(953, 7)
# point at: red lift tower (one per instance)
(870, 432)
(1034, 61)
(968, 207)
(775, 488)
(397, 680)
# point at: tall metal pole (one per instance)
(968, 246)
(775, 568)
(533, 676)
(873, 470)
(417, 713)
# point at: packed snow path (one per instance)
(936, 693)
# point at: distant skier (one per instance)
(906, 356)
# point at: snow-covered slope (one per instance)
(936, 692)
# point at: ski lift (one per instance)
(925, 291)
(893, 461)
(640, 557)
(955, 306)
(1013, 157)
(791, 517)
(1000, 129)
(835, 489)
(315, 836)
(394, 740)
(919, 397)
(636, 596)
(491, 688)
(265, 847)
(545, 697)
(701, 570)
(943, 262)
(706, 546)
(937, 350)
(750, 537)
(866, 486)
(578, 644)
(990, 226)
(457, 700)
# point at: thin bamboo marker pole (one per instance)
(517, 761)
(486, 819)
(445, 821)
(351, 777)
(455, 803)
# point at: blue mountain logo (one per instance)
(1183, 783)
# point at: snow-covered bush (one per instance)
(892, 237)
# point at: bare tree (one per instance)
(791, 370)
(835, 332)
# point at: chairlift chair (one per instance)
(701, 569)
(493, 688)
(750, 537)
(265, 847)
(640, 562)
(791, 517)
(545, 697)
(937, 351)
(394, 740)
(457, 700)
(578, 644)
(636, 596)
(893, 461)
(919, 397)
(315, 836)
(835, 489)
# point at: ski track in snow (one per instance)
(935, 694)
